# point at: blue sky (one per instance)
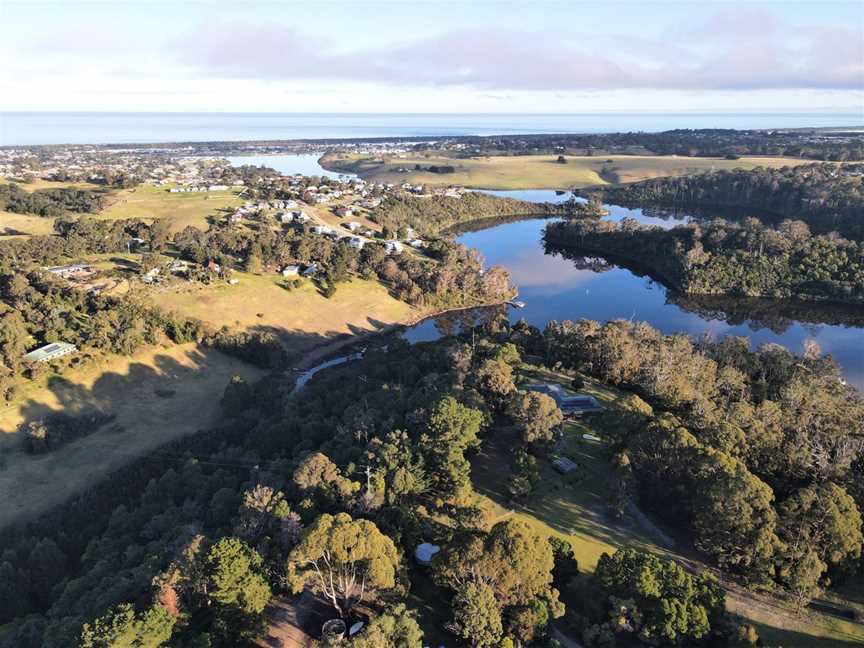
(401, 56)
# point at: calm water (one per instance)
(289, 164)
(553, 287)
(20, 128)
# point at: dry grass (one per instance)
(35, 185)
(302, 317)
(125, 387)
(149, 203)
(17, 225)
(544, 172)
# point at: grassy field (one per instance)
(543, 172)
(35, 185)
(189, 381)
(16, 225)
(149, 202)
(302, 317)
(575, 508)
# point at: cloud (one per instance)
(742, 55)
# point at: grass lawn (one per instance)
(302, 317)
(16, 225)
(126, 387)
(150, 202)
(543, 172)
(37, 184)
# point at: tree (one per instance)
(536, 415)
(343, 559)
(121, 627)
(735, 519)
(235, 578)
(525, 474)
(820, 526)
(317, 474)
(476, 615)
(13, 339)
(454, 425)
(395, 628)
(656, 600)
(47, 567)
(495, 382)
(566, 565)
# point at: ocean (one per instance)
(25, 128)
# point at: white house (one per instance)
(356, 242)
(290, 271)
(393, 247)
(352, 226)
(50, 352)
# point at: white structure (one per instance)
(352, 226)
(424, 553)
(290, 271)
(356, 242)
(50, 352)
(393, 247)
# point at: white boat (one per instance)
(517, 304)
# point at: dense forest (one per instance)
(49, 202)
(756, 455)
(826, 197)
(722, 258)
(433, 214)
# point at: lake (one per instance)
(307, 164)
(554, 287)
(24, 128)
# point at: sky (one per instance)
(532, 56)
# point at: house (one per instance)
(322, 229)
(309, 271)
(356, 242)
(300, 217)
(178, 267)
(150, 275)
(393, 247)
(290, 271)
(417, 243)
(576, 404)
(50, 352)
(343, 212)
(69, 270)
(352, 226)
(236, 217)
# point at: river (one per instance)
(555, 287)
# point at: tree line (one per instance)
(722, 258)
(828, 197)
(50, 202)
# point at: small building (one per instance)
(576, 404)
(564, 465)
(69, 270)
(424, 553)
(356, 242)
(50, 352)
(343, 212)
(417, 244)
(309, 271)
(352, 226)
(393, 247)
(290, 271)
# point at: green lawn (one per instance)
(149, 202)
(539, 171)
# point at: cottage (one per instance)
(49, 352)
(417, 243)
(356, 242)
(576, 404)
(290, 271)
(393, 247)
(343, 212)
(352, 226)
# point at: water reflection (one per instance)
(562, 284)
